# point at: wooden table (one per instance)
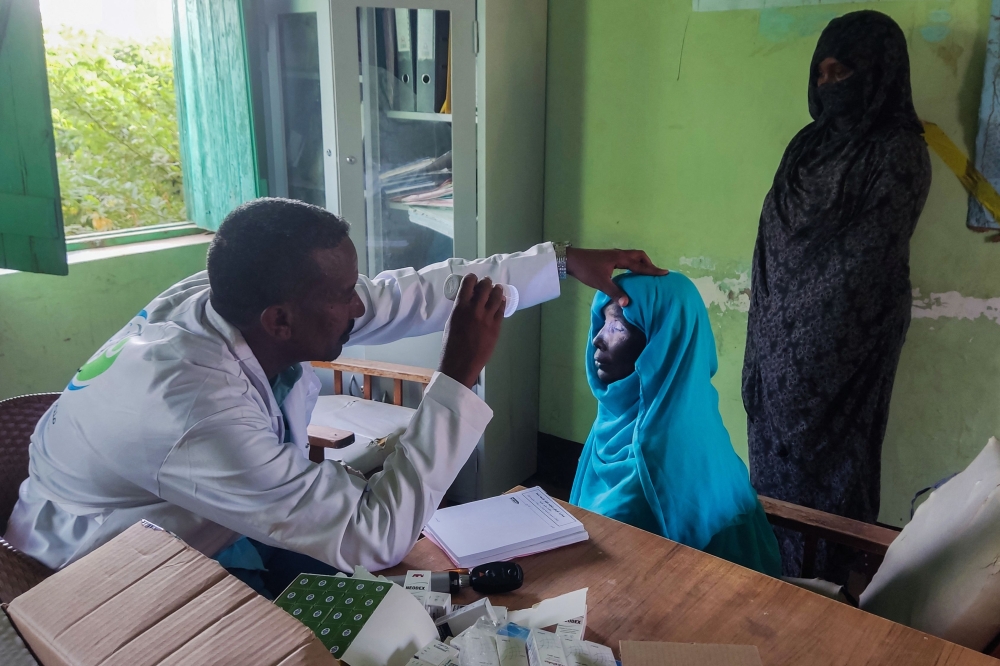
(645, 587)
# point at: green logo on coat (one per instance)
(100, 364)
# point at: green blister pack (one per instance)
(334, 607)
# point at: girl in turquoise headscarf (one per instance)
(658, 456)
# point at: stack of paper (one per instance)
(442, 196)
(503, 527)
(418, 179)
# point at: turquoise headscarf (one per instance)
(658, 456)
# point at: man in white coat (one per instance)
(194, 415)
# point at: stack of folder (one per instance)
(425, 188)
(439, 197)
(425, 182)
(503, 527)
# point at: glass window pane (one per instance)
(404, 66)
(300, 96)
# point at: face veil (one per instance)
(878, 93)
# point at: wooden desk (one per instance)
(644, 587)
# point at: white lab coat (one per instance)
(181, 428)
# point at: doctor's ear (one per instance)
(276, 321)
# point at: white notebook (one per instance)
(503, 527)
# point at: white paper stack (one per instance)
(503, 527)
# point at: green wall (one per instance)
(51, 325)
(664, 129)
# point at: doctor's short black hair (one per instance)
(261, 255)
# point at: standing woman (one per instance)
(831, 283)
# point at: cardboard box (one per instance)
(146, 597)
(640, 653)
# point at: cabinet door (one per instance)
(301, 137)
(404, 79)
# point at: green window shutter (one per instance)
(214, 109)
(31, 223)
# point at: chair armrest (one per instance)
(325, 437)
(406, 373)
(854, 533)
(18, 572)
(329, 438)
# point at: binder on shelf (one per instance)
(388, 20)
(425, 60)
(406, 86)
(442, 60)
(446, 105)
(432, 58)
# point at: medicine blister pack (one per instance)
(335, 608)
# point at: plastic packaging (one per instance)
(478, 644)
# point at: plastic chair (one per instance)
(18, 418)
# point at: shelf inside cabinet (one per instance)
(420, 115)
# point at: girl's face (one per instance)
(618, 344)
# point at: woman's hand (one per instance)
(594, 268)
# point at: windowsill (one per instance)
(111, 251)
(133, 235)
(98, 253)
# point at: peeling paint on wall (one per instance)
(953, 305)
(782, 25)
(937, 27)
(698, 262)
(727, 294)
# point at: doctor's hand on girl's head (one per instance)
(595, 268)
(472, 330)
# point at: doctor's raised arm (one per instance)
(408, 303)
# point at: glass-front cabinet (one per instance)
(297, 96)
(371, 117)
(391, 115)
(407, 130)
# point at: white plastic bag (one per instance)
(940, 575)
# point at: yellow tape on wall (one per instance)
(962, 166)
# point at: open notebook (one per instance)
(503, 527)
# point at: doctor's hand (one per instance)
(594, 268)
(473, 329)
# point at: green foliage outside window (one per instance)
(115, 121)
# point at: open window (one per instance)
(108, 138)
